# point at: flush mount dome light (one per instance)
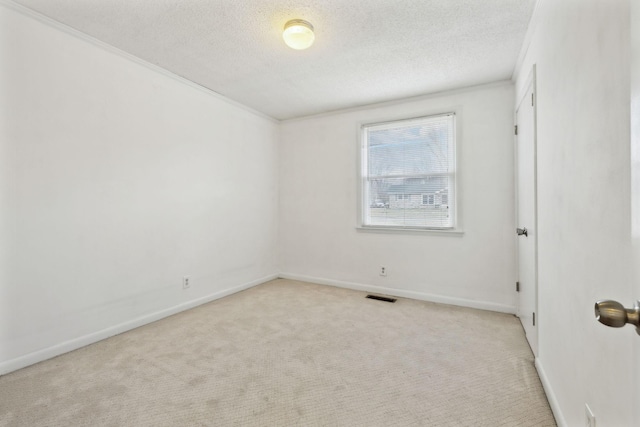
(298, 34)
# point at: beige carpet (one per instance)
(291, 353)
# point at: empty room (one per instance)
(320, 213)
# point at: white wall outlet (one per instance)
(186, 284)
(590, 419)
(383, 271)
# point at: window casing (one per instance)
(408, 173)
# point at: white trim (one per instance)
(441, 299)
(76, 343)
(25, 11)
(393, 230)
(522, 91)
(531, 83)
(551, 396)
(526, 43)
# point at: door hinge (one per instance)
(516, 129)
(517, 286)
(532, 99)
(534, 319)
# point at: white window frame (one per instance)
(456, 228)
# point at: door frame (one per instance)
(531, 82)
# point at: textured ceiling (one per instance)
(366, 51)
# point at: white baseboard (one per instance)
(551, 397)
(76, 343)
(482, 305)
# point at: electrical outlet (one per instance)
(589, 419)
(186, 284)
(383, 271)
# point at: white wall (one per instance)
(318, 205)
(581, 49)
(116, 181)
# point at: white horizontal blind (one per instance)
(409, 173)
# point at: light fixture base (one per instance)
(298, 34)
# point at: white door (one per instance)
(526, 214)
(635, 191)
(626, 388)
(619, 386)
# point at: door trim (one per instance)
(531, 82)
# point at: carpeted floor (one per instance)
(291, 353)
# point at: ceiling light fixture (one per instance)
(298, 34)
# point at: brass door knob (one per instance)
(613, 314)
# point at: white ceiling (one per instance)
(366, 51)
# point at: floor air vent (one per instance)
(379, 298)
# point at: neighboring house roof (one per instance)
(427, 186)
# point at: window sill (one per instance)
(408, 230)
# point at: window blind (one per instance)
(409, 173)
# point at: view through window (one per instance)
(409, 173)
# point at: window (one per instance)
(410, 166)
